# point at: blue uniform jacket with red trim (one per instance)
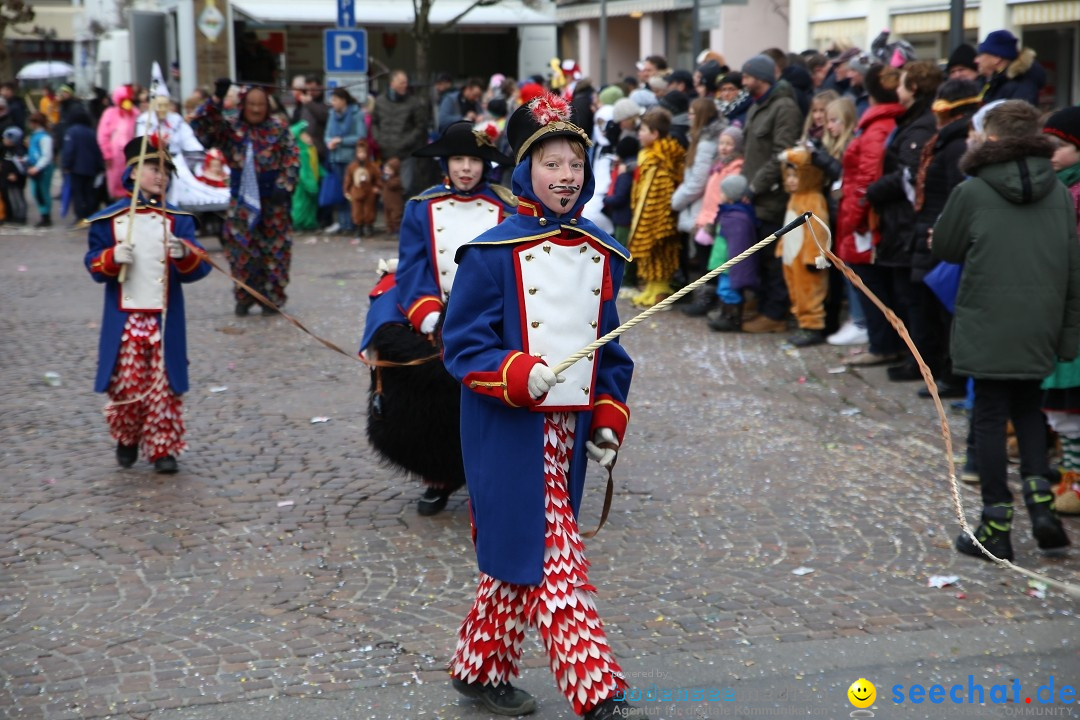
(502, 435)
(99, 262)
(419, 290)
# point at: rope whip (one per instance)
(810, 218)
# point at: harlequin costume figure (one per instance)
(264, 166)
(528, 293)
(406, 307)
(142, 353)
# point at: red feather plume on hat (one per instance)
(549, 108)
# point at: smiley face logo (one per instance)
(862, 693)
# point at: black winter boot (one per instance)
(1045, 525)
(126, 455)
(501, 699)
(702, 301)
(993, 533)
(726, 318)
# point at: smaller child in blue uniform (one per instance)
(142, 351)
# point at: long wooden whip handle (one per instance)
(666, 302)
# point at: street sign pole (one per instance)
(346, 14)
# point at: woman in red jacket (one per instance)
(857, 225)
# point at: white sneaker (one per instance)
(849, 334)
(331, 229)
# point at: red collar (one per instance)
(534, 209)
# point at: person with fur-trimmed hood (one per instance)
(1013, 225)
(142, 352)
(529, 293)
(1011, 72)
(406, 308)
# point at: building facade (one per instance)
(1050, 27)
(638, 28)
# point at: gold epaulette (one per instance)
(505, 195)
(85, 222)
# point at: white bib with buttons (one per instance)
(561, 288)
(454, 222)
(144, 284)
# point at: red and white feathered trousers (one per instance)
(154, 420)
(561, 607)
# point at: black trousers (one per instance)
(893, 287)
(773, 300)
(84, 196)
(997, 402)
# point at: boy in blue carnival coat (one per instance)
(407, 305)
(529, 292)
(140, 366)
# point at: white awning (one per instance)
(389, 13)
(621, 8)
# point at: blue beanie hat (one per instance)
(1000, 43)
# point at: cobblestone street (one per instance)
(284, 561)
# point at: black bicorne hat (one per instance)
(461, 138)
(154, 152)
(546, 117)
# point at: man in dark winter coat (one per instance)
(81, 162)
(773, 124)
(1013, 225)
(462, 105)
(399, 123)
(937, 176)
(1011, 73)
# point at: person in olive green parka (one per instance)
(305, 202)
(1013, 226)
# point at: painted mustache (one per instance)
(564, 201)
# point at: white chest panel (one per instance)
(561, 288)
(144, 285)
(454, 222)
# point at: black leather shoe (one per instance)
(126, 455)
(611, 709)
(904, 373)
(241, 309)
(432, 501)
(166, 465)
(945, 390)
(501, 699)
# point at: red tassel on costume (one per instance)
(549, 108)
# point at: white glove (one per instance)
(604, 456)
(123, 254)
(541, 379)
(427, 325)
(177, 249)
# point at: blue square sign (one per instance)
(346, 51)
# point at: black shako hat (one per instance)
(153, 147)
(546, 117)
(461, 138)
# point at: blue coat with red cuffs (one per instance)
(437, 222)
(103, 269)
(531, 290)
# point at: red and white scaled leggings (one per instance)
(561, 607)
(154, 420)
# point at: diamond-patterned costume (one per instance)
(561, 607)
